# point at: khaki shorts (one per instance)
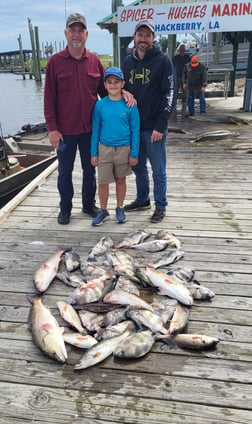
(113, 162)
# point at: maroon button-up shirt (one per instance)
(71, 91)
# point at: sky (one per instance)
(50, 17)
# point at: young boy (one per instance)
(114, 143)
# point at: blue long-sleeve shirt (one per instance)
(115, 124)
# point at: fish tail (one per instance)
(33, 297)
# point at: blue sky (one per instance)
(49, 17)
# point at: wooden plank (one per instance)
(6, 210)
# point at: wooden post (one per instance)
(34, 56)
(21, 56)
(37, 52)
(114, 5)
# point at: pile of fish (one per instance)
(106, 312)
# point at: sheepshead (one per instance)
(92, 271)
(72, 260)
(169, 286)
(122, 263)
(168, 259)
(186, 274)
(148, 319)
(70, 279)
(165, 309)
(152, 246)
(179, 320)
(114, 330)
(127, 285)
(47, 272)
(200, 292)
(45, 330)
(92, 321)
(215, 135)
(68, 313)
(133, 238)
(100, 248)
(195, 341)
(121, 297)
(135, 346)
(79, 340)
(89, 292)
(114, 317)
(165, 235)
(100, 351)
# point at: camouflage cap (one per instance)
(76, 18)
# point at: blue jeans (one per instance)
(156, 153)
(191, 101)
(66, 165)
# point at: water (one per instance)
(21, 102)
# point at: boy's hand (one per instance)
(133, 161)
(94, 160)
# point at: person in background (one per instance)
(114, 143)
(195, 82)
(149, 76)
(180, 59)
(74, 79)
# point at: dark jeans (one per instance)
(156, 153)
(66, 164)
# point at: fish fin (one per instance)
(47, 327)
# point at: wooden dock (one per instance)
(210, 204)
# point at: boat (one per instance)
(19, 167)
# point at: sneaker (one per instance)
(137, 206)
(120, 215)
(158, 215)
(64, 218)
(91, 211)
(102, 216)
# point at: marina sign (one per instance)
(175, 18)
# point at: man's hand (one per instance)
(133, 161)
(203, 89)
(156, 136)
(184, 87)
(129, 98)
(54, 138)
(94, 160)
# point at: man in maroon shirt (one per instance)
(74, 78)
